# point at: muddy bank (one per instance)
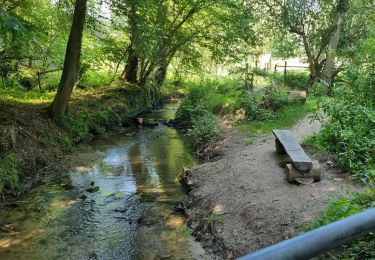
(242, 202)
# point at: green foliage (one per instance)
(318, 89)
(217, 96)
(352, 203)
(94, 79)
(350, 134)
(283, 118)
(254, 113)
(9, 175)
(77, 127)
(294, 79)
(213, 219)
(275, 98)
(210, 222)
(254, 109)
(204, 128)
(198, 108)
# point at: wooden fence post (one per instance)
(275, 68)
(252, 81)
(285, 70)
(38, 78)
(247, 75)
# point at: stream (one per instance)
(116, 203)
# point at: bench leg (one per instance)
(292, 173)
(316, 172)
(279, 147)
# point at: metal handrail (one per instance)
(318, 241)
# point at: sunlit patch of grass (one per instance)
(284, 118)
(42, 98)
(32, 97)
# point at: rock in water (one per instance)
(93, 189)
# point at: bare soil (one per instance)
(247, 188)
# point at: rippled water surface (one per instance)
(116, 204)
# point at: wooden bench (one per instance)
(300, 166)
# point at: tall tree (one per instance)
(329, 64)
(71, 62)
(131, 68)
(312, 21)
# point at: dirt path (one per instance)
(247, 187)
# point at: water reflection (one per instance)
(121, 206)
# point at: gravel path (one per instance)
(247, 187)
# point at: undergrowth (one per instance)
(252, 112)
(286, 117)
(90, 112)
(9, 171)
(352, 203)
(350, 131)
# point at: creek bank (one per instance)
(242, 202)
(27, 134)
(129, 216)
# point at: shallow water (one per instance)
(130, 217)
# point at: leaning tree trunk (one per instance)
(329, 65)
(71, 62)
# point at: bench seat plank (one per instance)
(298, 156)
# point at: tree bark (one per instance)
(329, 65)
(313, 66)
(161, 73)
(71, 62)
(131, 68)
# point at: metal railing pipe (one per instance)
(318, 241)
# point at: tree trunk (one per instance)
(131, 68)
(161, 72)
(71, 62)
(314, 74)
(329, 65)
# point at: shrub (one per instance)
(208, 95)
(363, 248)
(350, 134)
(204, 128)
(77, 127)
(9, 171)
(90, 78)
(190, 105)
(318, 89)
(275, 98)
(293, 79)
(296, 80)
(252, 106)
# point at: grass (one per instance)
(38, 98)
(32, 97)
(284, 118)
